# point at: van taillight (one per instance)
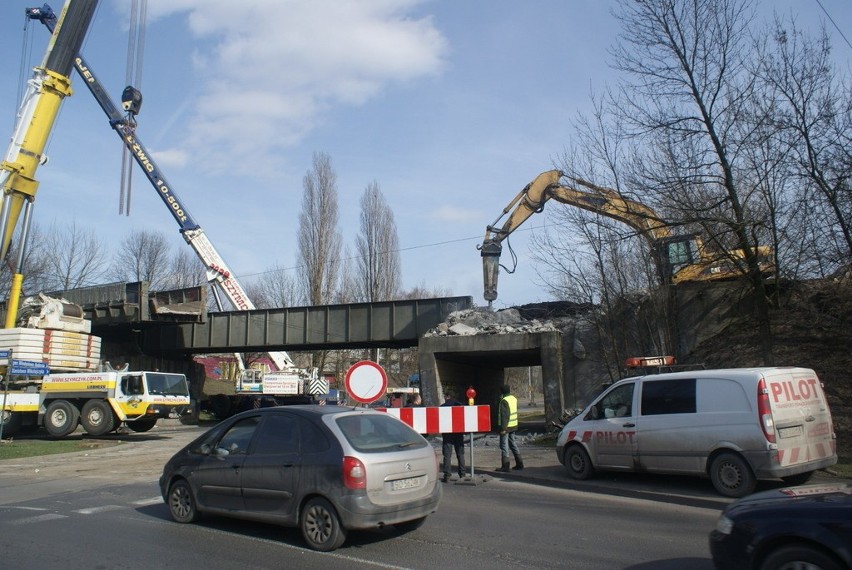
(354, 473)
(764, 412)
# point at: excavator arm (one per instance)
(546, 186)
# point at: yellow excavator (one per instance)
(681, 258)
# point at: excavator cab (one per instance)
(674, 253)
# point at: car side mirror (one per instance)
(594, 413)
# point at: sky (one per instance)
(451, 107)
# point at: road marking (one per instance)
(93, 510)
(146, 502)
(39, 518)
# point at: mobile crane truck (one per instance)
(52, 377)
(288, 382)
(48, 374)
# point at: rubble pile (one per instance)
(483, 321)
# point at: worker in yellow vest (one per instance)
(507, 422)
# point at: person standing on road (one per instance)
(450, 442)
(415, 401)
(507, 422)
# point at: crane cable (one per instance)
(133, 76)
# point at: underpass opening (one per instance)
(483, 361)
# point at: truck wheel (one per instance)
(97, 417)
(221, 406)
(140, 426)
(578, 463)
(321, 526)
(11, 423)
(731, 475)
(61, 418)
(181, 501)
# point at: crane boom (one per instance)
(217, 272)
(47, 88)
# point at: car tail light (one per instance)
(764, 412)
(354, 473)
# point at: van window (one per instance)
(722, 395)
(668, 397)
(617, 404)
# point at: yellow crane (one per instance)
(49, 85)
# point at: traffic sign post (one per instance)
(7, 355)
(366, 382)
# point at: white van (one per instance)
(735, 426)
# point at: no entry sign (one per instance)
(366, 382)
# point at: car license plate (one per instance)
(793, 431)
(409, 483)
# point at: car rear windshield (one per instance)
(378, 433)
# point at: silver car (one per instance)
(325, 469)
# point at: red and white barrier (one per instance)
(445, 419)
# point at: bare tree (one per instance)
(421, 291)
(277, 287)
(347, 285)
(320, 242)
(75, 257)
(184, 270)
(378, 248)
(34, 270)
(319, 237)
(143, 256)
(807, 112)
(687, 97)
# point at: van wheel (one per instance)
(61, 418)
(731, 475)
(578, 464)
(798, 479)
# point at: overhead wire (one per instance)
(833, 23)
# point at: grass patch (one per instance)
(16, 449)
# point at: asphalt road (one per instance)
(101, 509)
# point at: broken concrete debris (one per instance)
(483, 321)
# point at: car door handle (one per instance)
(810, 419)
(629, 425)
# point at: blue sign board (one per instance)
(28, 368)
(6, 353)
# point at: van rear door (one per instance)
(800, 414)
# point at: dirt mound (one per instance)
(812, 327)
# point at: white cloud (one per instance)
(271, 70)
(452, 214)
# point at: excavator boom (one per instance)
(679, 258)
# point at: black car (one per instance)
(326, 469)
(808, 527)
